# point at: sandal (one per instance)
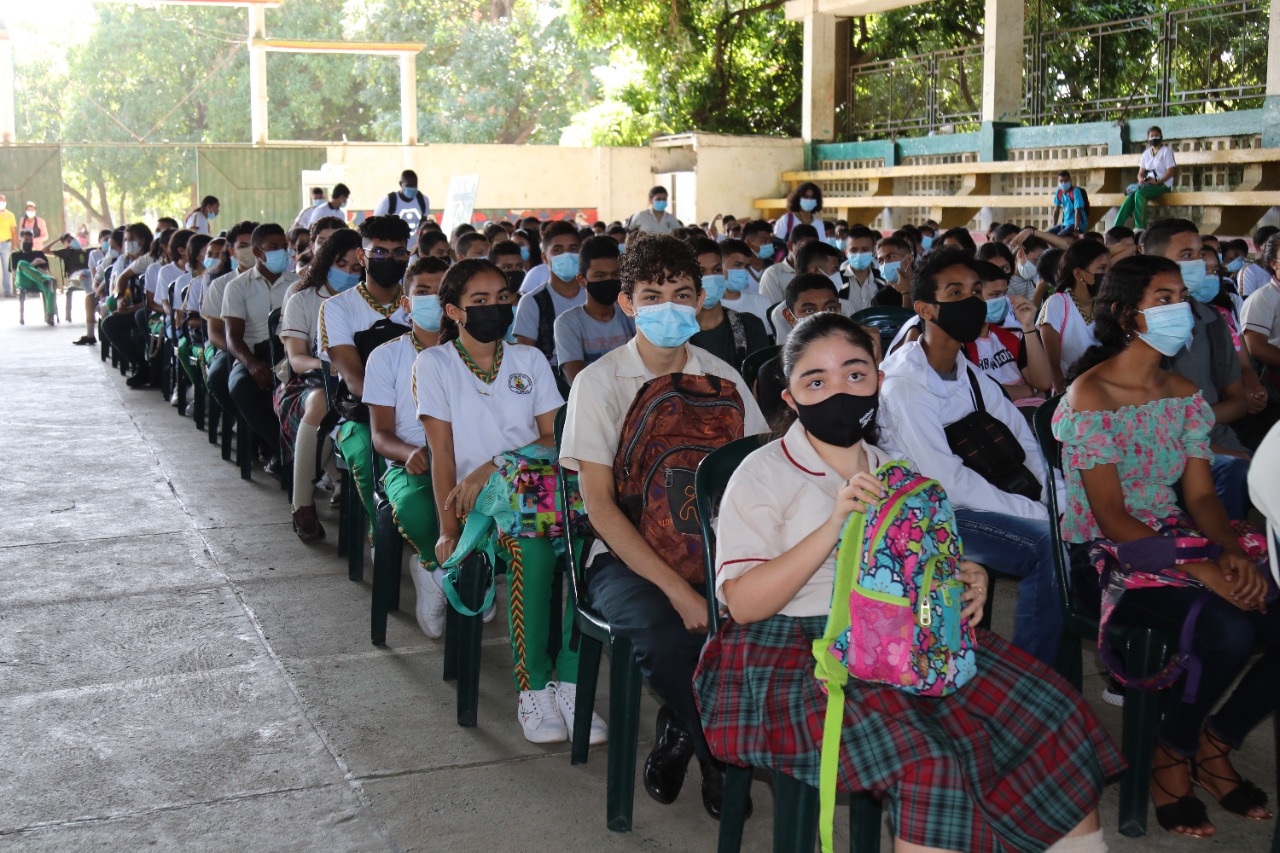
(1185, 811)
(1241, 799)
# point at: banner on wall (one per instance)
(461, 201)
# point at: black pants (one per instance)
(667, 653)
(219, 376)
(255, 404)
(121, 331)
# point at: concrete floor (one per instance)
(179, 672)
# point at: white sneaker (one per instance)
(538, 716)
(430, 608)
(325, 483)
(191, 408)
(492, 610)
(566, 701)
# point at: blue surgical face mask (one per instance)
(660, 205)
(861, 260)
(426, 312)
(889, 271)
(340, 280)
(1236, 265)
(668, 325)
(211, 216)
(1064, 185)
(765, 252)
(1168, 327)
(808, 205)
(235, 264)
(565, 266)
(316, 202)
(210, 263)
(713, 286)
(997, 309)
(524, 253)
(1200, 286)
(737, 280)
(410, 192)
(104, 246)
(277, 261)
(926, 242)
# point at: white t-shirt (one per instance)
(528, 314)
(782, 228)
(178, 283)
(486, 419)
(1252, 277)
(323, 211)
(1060, 313)
(646, 220)
(751, 303)
(774, 281)
(211, 301)
(388, 381)
(342, 316)
(410, 211)
(158, 285)
(301, 315)
(535, 278)
(1261, 313)
(250, 297)
(995, 360)
(1157, 161)
(198, 223)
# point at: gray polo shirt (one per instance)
(1212, 363)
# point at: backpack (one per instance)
(347, 405)
(393, 203)
(546, 341)
(671, 426)
(739, 336)
(897, 568)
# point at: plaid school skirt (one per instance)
(1011, 762)
(291, 402)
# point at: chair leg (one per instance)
(198, 399)
(244, 448)
(344, 509)
(382, 580)
(589, 649)
(1144, 656)
(795, 814)
(228, 418)
(472, 581)
(451, 644)
(865, 817)
(1275, 834)
(737, 788)
(357, 528)
(395, 553)
(624, 733)
(1071, 660)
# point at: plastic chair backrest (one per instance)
(709, 483)
(752, 363)
(887, 319)
(1051, 449)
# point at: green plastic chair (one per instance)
(885, 319)
(388, 549)
(795, 804)
(593, 634)
(754, 361)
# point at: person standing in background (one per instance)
(654, 219)
(33, 223)
(408, 204)
(8, 230)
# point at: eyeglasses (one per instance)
(380, 254)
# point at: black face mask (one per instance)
(386, 272)
(1156, 141)
(515, 278)
(840, 420)
(488, 323)
(605, 292)
(963, 319)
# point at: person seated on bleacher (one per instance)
(538, 309)
(1066, 317)
(661, 612)
(862, 279)
(237, 259)
(399, 438)
(929, 386)
(127, 325)
(250, 300)
(773, 282)
(1156, 169)
(301, 403)
(1255, 275)
(1132, 432)
(739, 293)
(816, 258)
(895, 261)
(959, 772)
(384, 255)
(479, 397)
(725, 333)
(1212, 361)
(598, 326)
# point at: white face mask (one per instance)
(4, 205)
(31, 211)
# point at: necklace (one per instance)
(486, 378)
(373, 303)
(1087, 315)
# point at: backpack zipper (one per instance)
(631, 445)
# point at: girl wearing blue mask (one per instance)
(726, 333)
(200, 219)
(1132, 433)
(301, 403)
(803, 205)
(1008, 349)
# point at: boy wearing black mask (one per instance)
(586, 332)
(929, 386)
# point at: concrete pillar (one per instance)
(408, 99)
(8, 116)
(818, 114)
(1002, 61)
(257, 75)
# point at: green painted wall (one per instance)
(34, 173)
(256, 183)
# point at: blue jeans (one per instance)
(1020, 548)
(1230, 479)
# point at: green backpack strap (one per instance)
(833, 673)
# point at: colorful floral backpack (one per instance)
(895, 611)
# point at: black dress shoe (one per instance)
(713, 790)
(141, 379)
(667, 764)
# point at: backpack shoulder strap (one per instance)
(978, 404)
(422, 202)
(546, 321)
(391, 203)
(739, 335)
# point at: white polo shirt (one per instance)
(250, 297)
(646, 220)
(198, 223)
(159, 283)
(388, 381)
(774, 281)
(350, 312)
(1261, 313)
(1158, 161)
(323, 211)
(779, 495)
(301, 315)
(486, 419)
(211, 300)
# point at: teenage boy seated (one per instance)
(817, 258)
(218, 376)
(384, 254)
(598, 326)
(399, 438)
(895, 259)
(928, 386)
(773, 283)
(808, 294)
(471, 245)
(862, 279)
(434, 244)
(758, 235)
(1211, 360)
(247, 305)
(725, 333)
(739, 292)
(662, 613)
(538, 309)
(506, 256)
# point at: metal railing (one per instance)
(916, 94)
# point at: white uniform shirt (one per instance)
(250, 297)
(646, 220)
(388, 381)
(486, 419)
(774, 281)
(1157, 161)
(197, 222)
(301, 315)
(178, 283)
(782, 228)
(158, 285)
(211, 300)
(1251, 278)
(1060, 313)
(195, 293)
(751, 303)
(325, 210)
(348, 313)
(1262, 313)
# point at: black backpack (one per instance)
(346, 404)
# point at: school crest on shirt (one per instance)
(520, 383)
